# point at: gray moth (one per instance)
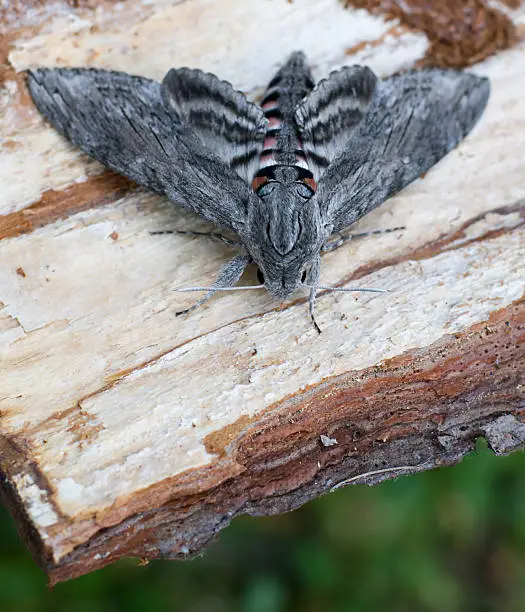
(285, 176)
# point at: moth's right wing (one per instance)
(122, 121)
(227, 122)
(413, 121)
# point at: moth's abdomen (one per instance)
(282, 144)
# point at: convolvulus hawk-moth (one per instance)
(283, 176)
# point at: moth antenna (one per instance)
(348, 290)
(247, 288)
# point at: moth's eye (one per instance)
(303, 276)
(267, 188)
(304, 191)
(260, 276)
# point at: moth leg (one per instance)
(311, 303)
(230, 273)
(213, 235)
(313, 282)
(331, 245)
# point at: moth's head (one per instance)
(284, 236)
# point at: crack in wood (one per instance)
(9, 321)
(446, 243)
(96, 191)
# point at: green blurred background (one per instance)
(452, 539)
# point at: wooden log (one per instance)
(129, 432)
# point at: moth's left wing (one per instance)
(121, 120)
(227, 122)
(413, 121)
(329, 114)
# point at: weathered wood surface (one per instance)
(127, 431)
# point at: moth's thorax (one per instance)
(282, 144)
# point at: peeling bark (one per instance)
(461, 32)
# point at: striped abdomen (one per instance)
(282, 144)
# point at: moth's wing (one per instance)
(122, 121)
(329, 114)
(413, 120)
(227, 122)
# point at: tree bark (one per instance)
(127, 431)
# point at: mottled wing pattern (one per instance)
(413, 120)
(226, 121)
(122, 121)
(329, 114)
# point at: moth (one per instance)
(288, 176)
